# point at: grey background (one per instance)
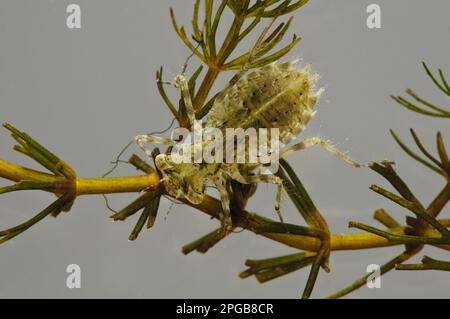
(85, 93)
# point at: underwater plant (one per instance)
(316, 241)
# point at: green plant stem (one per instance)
(403, 239)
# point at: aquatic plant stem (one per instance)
(210, 206)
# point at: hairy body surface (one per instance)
(275, 96)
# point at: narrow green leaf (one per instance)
(415, 108)
(414, 155)
(206, 242)
(414, 208)
(275, 56)
(265, 276)
(204, 111)
(362, 281)
(182, 34)
(162, 92)
(298, 185)
(424, 150)
(250, 28)
(134, 207)
(444, 81)
(314, 272)
(442, 151)
(426, 103)
(435, 81)
(152, 209)
(34, 148)
(56, 206)
(215, 26)
(266, 46)
(284, 228)
(29, 185)
(195, 25)
(193, 79)
(139, 225)
(284, 8)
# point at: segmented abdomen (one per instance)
(275, 96)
